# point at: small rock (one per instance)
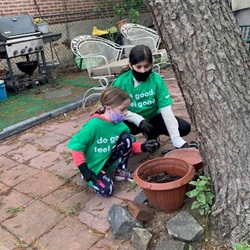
(141, 238)
(141, 198)
(122, 222)
(172, 245)
(185, 228)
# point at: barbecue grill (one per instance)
(19, 36)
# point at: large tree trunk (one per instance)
(210, 61)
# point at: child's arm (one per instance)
(134, 118)
(79, 159)
(136, 148)
(172, 126)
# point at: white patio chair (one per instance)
(103, 60)
(245, 34)
(136, 34)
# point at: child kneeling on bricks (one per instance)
(104, 143)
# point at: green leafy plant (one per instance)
(243, 246)
(203, 198)
(120, 10)
(130, 8)
(203, 195)
(132, 186)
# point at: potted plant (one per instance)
(168, 196)
(42, 24)
(126, 10)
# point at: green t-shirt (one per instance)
(96, 140)
(148, 97)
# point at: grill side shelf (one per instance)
(51, 37)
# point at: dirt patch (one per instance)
(162, 178)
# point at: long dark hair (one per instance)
(140, 53)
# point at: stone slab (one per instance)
(58, 94)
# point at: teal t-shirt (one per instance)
(96, 140)
(148, 97)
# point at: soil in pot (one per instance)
(162, 178)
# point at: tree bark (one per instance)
(211, 64)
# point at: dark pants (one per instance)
(159, 127)
(122, 151)
(104, 185)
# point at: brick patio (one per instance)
(44, 203)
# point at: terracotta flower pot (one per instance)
(191, 155)
(120, 23)
(169, 196)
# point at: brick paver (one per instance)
(24, 153)
(17, 174)
(6, 163)
(40, 184)
(8, 146)
(45, 160)
(31, 223)
(12, 201)
(71, 234)
(7, 240)
(44, 204)
(3, 188)
(68, 197)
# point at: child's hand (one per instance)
(192, 144)
(88, 175)
(150, 145)
(145, 126)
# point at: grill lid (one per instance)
(19, 25)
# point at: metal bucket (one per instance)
(53, 70)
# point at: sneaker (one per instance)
(124, 175)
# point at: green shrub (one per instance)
(242, 246)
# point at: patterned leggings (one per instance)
(122, 152)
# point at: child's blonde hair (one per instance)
(111, 96)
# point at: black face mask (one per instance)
(141, 77)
